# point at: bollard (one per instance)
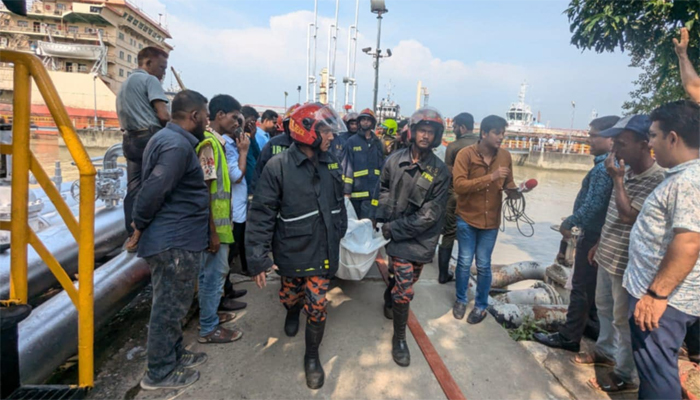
(10, 317)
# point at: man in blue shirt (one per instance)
(590, 209)
(250, 128)
(172, 212)
(267, 128)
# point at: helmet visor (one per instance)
(327, 119)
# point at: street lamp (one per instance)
(377, 7)
(299, 94)
(285, 100)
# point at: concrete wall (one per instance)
(96, 139)
(560, 161)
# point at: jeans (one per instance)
(480, 242)
(449, 231)
(656, 353)
(614, 341)
(173, 276)
(211, 287)
(133, 146)
(582, 298)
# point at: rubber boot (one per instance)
(312, 364)
(388, 313)
(399, 346)
(444, 256)
(291, 322)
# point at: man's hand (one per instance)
(250, 127)
(500, 173)
(565, 233)
(615, 172)
(561, 258)
(243, 143)
(386, 230)
(648, 312)
(261, 279)
(214, 242)
(591, 255)
(682, 46)
(133, 242)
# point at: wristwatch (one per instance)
(654, 295)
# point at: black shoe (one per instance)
(291, 322)
(177, 379)
(235, 294)
(399, 346)
(477, 315)
(388, 312)
(444, 256)
(191, 360)
(312, 364)
(227, 304)
(459, 309)
(557, 341)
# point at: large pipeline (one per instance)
(50, 335)
(539, 293)
(504, 275)
(110, 233)
(548, 317)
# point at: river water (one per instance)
(547, 204)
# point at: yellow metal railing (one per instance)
(27, 66)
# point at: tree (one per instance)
(645, 29)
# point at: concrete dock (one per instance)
(356, 352)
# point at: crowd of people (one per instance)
(212, 181)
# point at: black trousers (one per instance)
(236, 249)
(692, 339)
(449, 231)
(582, 299)
(133, 145)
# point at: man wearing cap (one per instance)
(631, 187)
(590, 209)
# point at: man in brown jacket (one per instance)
(480, 174)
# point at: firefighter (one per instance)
(278, 144)
(363, 159)
(389, 136)
(412, 196)
(299, 215)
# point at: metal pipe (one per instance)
(110, 233)
(354, 56)
(19, 223)
(540, 293)
(346, 81)
(331, 78)
(548, 317)
(313, 72)
(377, 56)
(50, 335)
(308, 60)
(504, 275)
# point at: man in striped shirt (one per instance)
(631, 187)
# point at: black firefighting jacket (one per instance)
(412, 200)
(274, 146)
(362, 164)
(298, 213)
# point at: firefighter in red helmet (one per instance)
(411, 203)
(363, 158)
(298, 213)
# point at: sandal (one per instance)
(225, 317)
(592, 359)
(613, 385)
(221, 335)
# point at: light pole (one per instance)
(377, 7)
(285, 100)
(299, 94)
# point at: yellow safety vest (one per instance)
(220, 190)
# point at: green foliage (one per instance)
(525, 331)
(645, 29)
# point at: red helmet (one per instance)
(285, 119)
(430, 116)
(279, 126)
(369, 114)
(305, 121)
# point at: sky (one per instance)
(471, 55)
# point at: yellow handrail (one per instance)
(25, 67)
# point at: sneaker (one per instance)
(221, 335)
(191, 360)
(459, 309)
(178, 378)
(477, 315)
